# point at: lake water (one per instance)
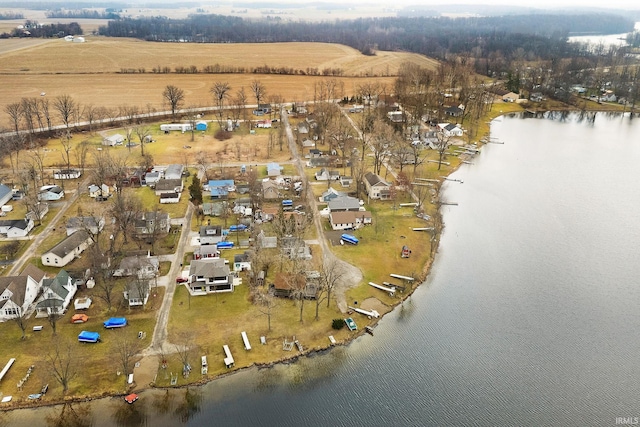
(529, 318)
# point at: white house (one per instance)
(67, 174)
(17, 293)
(93, 225)
(210, 275)
(16, 227)
(57, 294)
(64, 252)
(174, 172)
(113, 140)
(274, 169)
(136, 292)
(169, 186)
(449, 129)
(141, 266)
(210, 234)
(349, 220)
(206, 251)
(50, 193)
(170, 197)
(95, 191)
(242, 262)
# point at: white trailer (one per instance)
(183, 127)
(391, 291)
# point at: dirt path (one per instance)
(352, 275)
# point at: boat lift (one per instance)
(390, 291)
(407, 278)
(367, 313)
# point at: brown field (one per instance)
(88, 72)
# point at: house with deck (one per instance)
(349, 220)
(376, 187)
(344, 203)
(136, 292)
(208, 276)
(18, 293)
(150, 223)
(141, 266)
(289, 285)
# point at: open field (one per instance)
(110, 55)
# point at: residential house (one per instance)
(206, 251)
(262, 109)
(169, 186)
(150, 223)
(303, 128)
(306, 143)
(5, 194)
(38, 211)
(50, 193)
(220, 188)
(376, 187)
(17, 195)
(211, 234)
(242, 262)
(68, 249)
(174, 172)
(91, 224)
(270, 190)
(136, 292)
(57, 294)
(314, 153)
(151, 178)
(608, 96)
(266, 242)
(140, 266)
(331, 194)
(450, 129)
(327, 175)
(113, 140)
(170, 198)
(263, 124)
(295, 248)
(349, 220)
(99, 191)
(396, 116)
(318, 162)
(510, 97)
(289, 285)
(17, 293)
(210, 275)
(344, 203)
(16, 227)
(243, 188)
(134, 178)
(274, 169)
(346, 181)
(455, 111)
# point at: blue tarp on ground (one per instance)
(349, 239)
(239, 227)
(224, 245)
(115, 322)
(86, 336)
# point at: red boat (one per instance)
(130, 398)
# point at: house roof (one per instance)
(51, 189)
(34, 272)
(242, 257)
(59, 285)
(151, 216)
(210, 230)
(344, 203)
(4, 191)
(82, 221)
(289, 281)
(138, 262)
(216, 208)
(209, 267)
(206, 250)
(17, 285)
(374, 179)
(69, 244)
(174, 170)
(348, 217)
(168, 184)
(115, 138)
(221, 183)
(138, 289)
(15, 223)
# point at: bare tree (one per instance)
(125, 208)
(184, 350)
(259, 91)
(81, 152)
(67, 146)
(15, 112)
(103, 276)
(21, 321)
(174, 97)
(62, 362)
(126, 348)
(35, 208)
(142, 132)
(266, 305)
(90, 113)
(65, 106)
(384, 137)
(220, 92)
(442, 143)
(331, 275)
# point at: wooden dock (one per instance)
(228, 360)
(6, 368)
(205, 366)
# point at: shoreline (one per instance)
(425, 271)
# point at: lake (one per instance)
(529, 317)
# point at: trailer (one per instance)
(349, 239)
(224, 245)
(183, 127)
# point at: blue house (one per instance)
(220, 188)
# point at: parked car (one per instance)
(181, 279)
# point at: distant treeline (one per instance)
(81, 14)
(5, 16)
(230, 69)
(535, 36)
(34, 30)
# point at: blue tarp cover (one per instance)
(115, 322)
(87, 336)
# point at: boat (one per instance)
(130, 398)
(115, 322)
(35, 396)
(351, 324)
(79, 318)
(369, 330)
(86, 336)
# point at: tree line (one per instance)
(81, 14)
(35, 30)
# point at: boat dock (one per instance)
(245, 339)
(228, 360)
(6, 368)
(367, 313)
(390, 291)
(205, 366)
